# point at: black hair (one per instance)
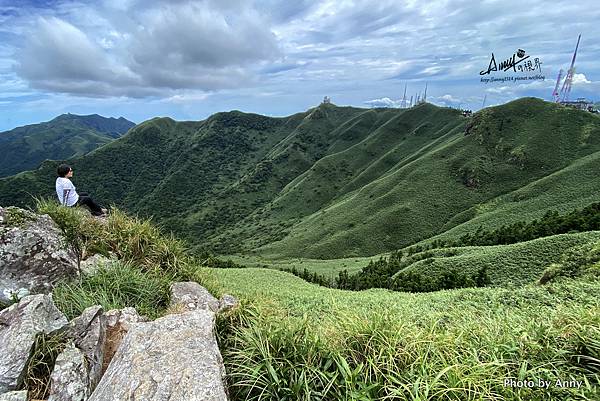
(63, 170)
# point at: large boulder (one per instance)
(33, 253)
(173, 358)
(19, 325)
(79, 367)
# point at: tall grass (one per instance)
(296, 341)
(302, 342)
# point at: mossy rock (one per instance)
(15, 217)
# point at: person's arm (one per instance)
(66, 192)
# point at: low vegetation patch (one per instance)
(582, 261)
(16, 217)
(552, 223)
(147, 262)
(131, 239)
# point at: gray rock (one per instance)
(19, 324)
(227, 303)
(118, 323)
(91, 265)
(33, 253)
(14, 396)
(89, 334)
(69, 380)
(191, 295)
(173, 358)
(124, 318)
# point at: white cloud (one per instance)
(59, 51)
(579, 79)
(446, 100)
(186, 98)
(384, 102)
(161, 49)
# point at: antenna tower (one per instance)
(404, 97)
(425, 95)
(484, 99)
(566, 88)
(555, 95)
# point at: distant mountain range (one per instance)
(66, 136)
(340, 181)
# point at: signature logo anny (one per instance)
(519, 62)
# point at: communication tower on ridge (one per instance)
(420, 99)
(565, 90)
(555, 94)
(562, 97)
(326, 100)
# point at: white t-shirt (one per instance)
(66, 191)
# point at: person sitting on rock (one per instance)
(67, 196)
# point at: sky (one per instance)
(141, 59)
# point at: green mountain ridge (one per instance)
(337, 182)
(65, 136)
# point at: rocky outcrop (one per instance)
(33, 253)
(69, 379)
(79, 367)
(19, 325)
(173, 358)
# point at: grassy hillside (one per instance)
(66, 136)
(340, 182)
(514, 264)
(502, 150)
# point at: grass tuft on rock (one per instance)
(45, 350)
(115, 286)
